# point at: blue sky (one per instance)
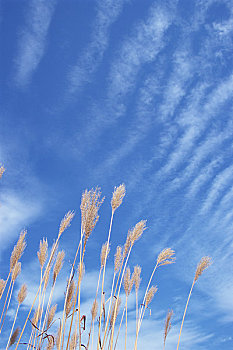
(124, 91)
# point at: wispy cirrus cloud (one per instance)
(89, 60)
(32, 39)
(140, 48)
(16, 213)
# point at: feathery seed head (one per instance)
(43, 252)
(14, 336)
(2, 170)
(16, 271)
(51, 314)
(36, 316)
(117, 197)
(166, 257)
(115, 311)
(69, 299)
(58, 338)
(137, 231)
(118, 259)
(81, 271)
(167, 325)
(50, 344)
(2, 286)
(94, 309)
(104, 253)
(73, 341)
(90, 205)
(58, 265)
(22, 294)
(18, 249)
(205, 262)
(127, 244)
(150, 294)
(128, 282)
(66, 222)
(47, 274)
(136, 277)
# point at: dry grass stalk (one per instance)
(81, 270)
(18, 250)
(150, 295)
(58, 265)
(137, 280)
(128, 285)
(37, 315)
(127, 245)
(50, 344)
(137, 231)
(90, 205)
(22, 294)
(136, 277)
(14, 336)
(43, 252)
(128, 282)
(117, 197)
(69, 301)
(63, 226)
(94, 309)
(51, 314)
(167, 325)
(2, 170)
(2, 286)
(115, 312)
(16, 271)
(166, 257)
(205, 262)
(118, 259)
(21, 297)
(73, 341)
(65, 222)
(46, 277)
(58, 338)
(104, 253)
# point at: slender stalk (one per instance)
(122, 317)
(47, 267)
(79, 294)
(7, 306)
(186, 306)
(105, 260)
(13, 325)
(126, 321)
(148, 286)
(46, 315)
(119, 288)
(68, 285)
(76, 295)
(9, 288)
(136, 310)
(110, 307)
(5, 284)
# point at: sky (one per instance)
(105, 92)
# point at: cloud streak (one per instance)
(81, 73)
(32, 39)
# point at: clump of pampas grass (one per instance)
(107, 311)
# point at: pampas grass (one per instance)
(106, 315)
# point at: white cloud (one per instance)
(107, 13)
(32, 39)
(220, 182)
(16, 213)
(140, 48)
